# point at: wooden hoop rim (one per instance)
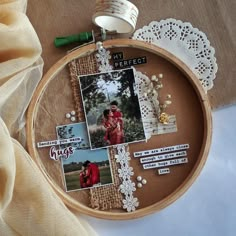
(206, 109)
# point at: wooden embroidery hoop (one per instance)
(204, 142)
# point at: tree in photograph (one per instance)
(92, 95)
(129, 100)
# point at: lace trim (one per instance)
(149, 103)
(188, 43)
(103, 56)
(127, 187)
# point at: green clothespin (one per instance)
(81, 38)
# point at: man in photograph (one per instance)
(113, 122)
(115, 111)
(118, 117)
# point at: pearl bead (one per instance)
(164, 106)
(99, 45)
(160, 76)
(154, 78)
(72, 113)
(144, 181)
(168, 102)
(72, 118)
(68, 115)
(139, 185)
(139, 178)
(159, 86)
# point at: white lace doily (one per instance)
(149, 103)
(187, 43)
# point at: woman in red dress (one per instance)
(84, 178)
(114, 128)
(90, 175)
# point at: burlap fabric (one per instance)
(108, 196)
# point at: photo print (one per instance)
(111, 108)
(85, 168)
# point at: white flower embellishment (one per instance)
(103, 56)
(122, 158)
(127, 187)
(130, 203)
(125, 172)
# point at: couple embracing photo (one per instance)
(111, 107)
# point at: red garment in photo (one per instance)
(85, 180)
(117, 114)
(118, 117)
(114, 128)
(93, 173)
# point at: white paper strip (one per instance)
(161, 150)
(163, 157)
(153, 127)
(163, 171)
(58, 142)
(165, 163)
(171, 127)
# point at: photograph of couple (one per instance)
(89, 175)
(85, 168)
(113, 123)
(111, 108)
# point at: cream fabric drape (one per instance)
(28, 205)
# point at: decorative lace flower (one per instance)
(125, 172)
(130, 203)
(122, 158)
(102, 58)
(127, 187)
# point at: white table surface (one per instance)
(207, 208)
